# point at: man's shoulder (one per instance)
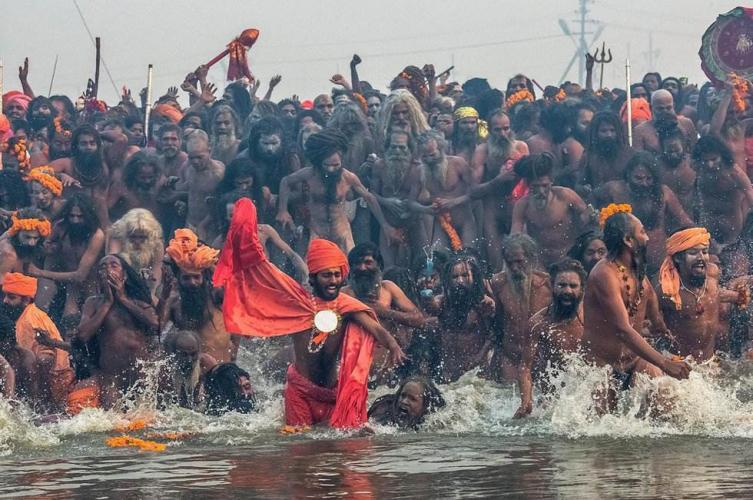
(537, 321)
(539, 279)
(498, 281)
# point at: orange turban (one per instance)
(185, 251)
(169, 112)
(641, 110)
(41, 225)
(669, 277)
(323, 254)
(46, 177)
(19, 284)
(16, 96)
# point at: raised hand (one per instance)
(356, 60)
(23, 71)
(274, 81)
(201, 73)
(208, 92)
(172, 92)
(590, 60)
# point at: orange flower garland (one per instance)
(41, 225)
(21, 152)
(740, 89)
(445, 221)
(59, 127)
(46, 177)
(561, 96)
(612, 209)
(520, 95)
(141, 444)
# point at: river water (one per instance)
(471, 449)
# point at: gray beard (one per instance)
(439, 171)
(185, 385)
(224, 141)
(521, 287)
(499, 150)
(395, 172)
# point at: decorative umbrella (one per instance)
(727, 46)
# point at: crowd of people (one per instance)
(404, 238)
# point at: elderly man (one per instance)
(260, 300)
(646, 135)
(224, 133)
(55, 373)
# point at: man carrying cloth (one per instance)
(262, 301)
(56, 375)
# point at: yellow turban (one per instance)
(469, 112)
(669, 277)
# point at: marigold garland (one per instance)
(46, 177)
(59, 127)
(21, 152)
(133, 425)
(520, 95)
(141, 444)
(740, 89)
(170, 435)
(42, 225)
(294, 429)
(612, 209)
(561, 96)
(445, 221)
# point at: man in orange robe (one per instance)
(262, 301)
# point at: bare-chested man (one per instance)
(394, 310)
(606, 152)
(137, 237)
(653, 203)
(555, 330)
(123, 319)
(169, 142)
(45, 190)
(224, 134)
(466, 319)
(401, 111)
(465, 133)
(554, 137)
(22, 244)
(139, 187)
(725, 195)
(440, 176)
(74, 247)
(89, 169)
(618, 299)
(552, 215)
(520, 291)
(676, 171)
(329, 185)
(196, 306)
(690, 296)
(201, 177)
(665, 119)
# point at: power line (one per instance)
(91, 37)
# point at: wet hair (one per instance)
(84, 129)
(186, 118)
(266, 108)
(345, 114)
(67, 104)
(135, 286)
(522, 241)
(432, 135)
(134, 164)
(268, 125)
(635, 86)
(615, 229)
(453, 315)
(608, 117)
(578, 249)
(535, 166)
(242, 103)
(221, 386)
(89, 213)
(324, 144)
(433, 399)
(524, 116)
(488, 102)
(654, 73)
(16, 190)
(170, 127)
(567, 265)
(648, 161)
(404, 280)
(555, 120)
(365, 249)
(225, 108)
(239, 168)
(709, 144)
(416, 116)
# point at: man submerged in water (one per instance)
(416, 398)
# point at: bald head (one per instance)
(662, 103)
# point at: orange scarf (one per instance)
(669, 277)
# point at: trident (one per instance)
(604, 58)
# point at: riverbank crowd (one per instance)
(366, 237)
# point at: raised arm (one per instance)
(23, 75)
(283, 216)
(355, 82)
(382, 336)
(93, 314)
(8, 376)
(93, 250)
(273, 82)
(720, 115)
(403, 311)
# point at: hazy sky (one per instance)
(307, 42)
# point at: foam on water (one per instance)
(716, 401)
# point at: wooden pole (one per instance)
(148, 105)
(629, 103)
(52, 78)
(96, 67)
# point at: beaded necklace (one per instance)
(699, 309)
(632, 306)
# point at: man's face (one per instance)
(29, 239)
(468, 126)
(60, 147)
(711, 161)
(324, 106)
(270, 145)
(332, 165)
(399, 118)
(76, 217)
(639, 92)
(584, 120)
(373, 104)
(595, 251)
(169, 144)
(198, 155)
(243, 183)
(431, 153)
(410, 405)
(146, 176)
(137, 132)
(541, 189)
(641, 181)
(651, 83)
(568, 290)
(245, 389)
(87, 144)
(673, 152)
(663, 107)
(193, 122)
(137, 240)
(41, 197)
(499, 126)
(693, 263)
(111, 266)
(368, 264)
(517, 262)
(517, 84)
(14, 305)
(14, 111)
(461, 276)
(639, 237)
(445, 124)
(671, 86)
(327, 283)
(606, 132)
(288, 111)
(398, 149)
(223, 124)
(428, 281)
(189, 279)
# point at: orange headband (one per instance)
(46, 177)
(41, 225)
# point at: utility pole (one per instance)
(652, 55)
(578, 37)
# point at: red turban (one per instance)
(323, 254)
(169, 112)
(19, 97)
(307, 104)
(641, 110)
(19, 284)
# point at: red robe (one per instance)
(262, 301)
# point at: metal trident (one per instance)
(604, 58)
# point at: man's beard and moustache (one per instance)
(521, 284)
(12, 312)
(268, 156)
(640, 260)
(25, 252)
(56, 154)
(581, 135)
(330, 181)
(607, 147)
(89, 163)
(439, 170)
(460, 301)
(646, 207)
(194, 301)
(565, 305)
(139, 258)
(224, 140)
(40, 121)
(79, 233)
(500, 147)
(398, 164)
(672, 160)
(665, 123)
(366, 283)
(464, 139)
